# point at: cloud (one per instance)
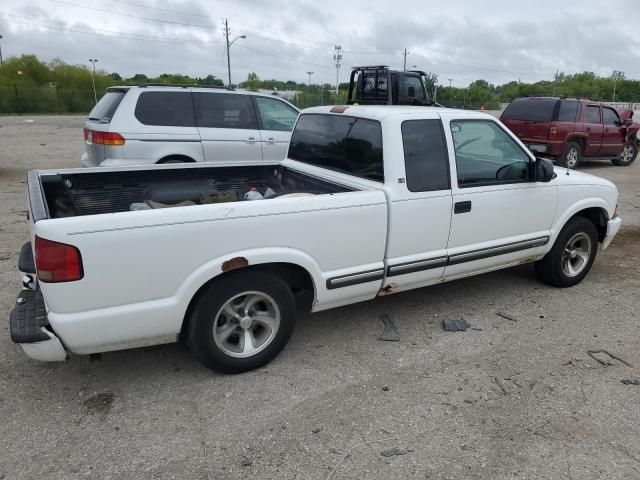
(464, 40)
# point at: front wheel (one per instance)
(627, 156)
(241, 322)
(572, 256)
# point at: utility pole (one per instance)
(93, 79)
(337, 57)
(229, 43)
(404, 68)
(1, 63)
(309, 73)
(450, 82)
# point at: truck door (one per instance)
(594, 130)
(614, 134)
(419, 195)
(501, 216)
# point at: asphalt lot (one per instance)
(516, 398)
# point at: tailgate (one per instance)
(528, 129)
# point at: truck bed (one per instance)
(77, 193)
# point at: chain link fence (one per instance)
(49, 99)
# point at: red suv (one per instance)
(571, 129)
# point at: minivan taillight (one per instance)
(106, 138)
(57, 262)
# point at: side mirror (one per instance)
(544, 170)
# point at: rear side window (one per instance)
(568, 111)
(425, 155)
(170, 109)
(414, 88)
(342, 143)
(531, 109)
(106, 107)
(224, 110)
(593, 114)
(610, 116)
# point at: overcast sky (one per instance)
(499, 40)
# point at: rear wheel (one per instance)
(175, 160)
(242, 321)
(572, 256)
(571, 155)
(627, 156)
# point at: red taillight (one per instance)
(57, 262)
(553, 131)
(86, 134)
(106, 138)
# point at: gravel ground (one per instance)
(514, 398)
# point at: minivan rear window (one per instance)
(346, 144)
(531, 109)
(169, 109)
(106, 107)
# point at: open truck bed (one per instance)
(70, 193)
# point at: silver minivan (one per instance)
(151, 124)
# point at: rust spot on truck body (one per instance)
(387, 289)
(234, 263)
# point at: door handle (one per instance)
(462, 207)
(271, 141)
(250, 140)
(588, 129)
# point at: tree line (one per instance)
(28, 85)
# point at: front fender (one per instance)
(567, 214)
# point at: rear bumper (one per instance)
(613, 227)
(29, 328)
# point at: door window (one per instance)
(593, 114)
(276, 115)
(224, 110)
(170, 109)
(486, 155)
(425, 155)
(610, 116)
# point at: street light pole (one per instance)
(93, 79)
(229, 43)
(309, 73)
(1, 63)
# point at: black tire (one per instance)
(206, 312)
(571, 155)
(551, 269)
(169, 160)
(628, 155)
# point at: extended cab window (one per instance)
(425, 155)
(610, 116)
(414, 88)
(170, 109)
(593, 114)
(486, 155)
(346, 144)
(276, 115)
(224, 110)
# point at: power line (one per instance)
(285, 58)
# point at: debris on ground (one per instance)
(606, 359)
(395, 451)
(385, 389)
(389, 332)
(627, 381)
(506, 316)
(455, 325)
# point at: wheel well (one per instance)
(176, 158)
(598, 216)
(298, 279)
(579, 140)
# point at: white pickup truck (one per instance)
(369, 201)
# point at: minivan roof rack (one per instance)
(183, 85)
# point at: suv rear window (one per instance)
(531, 109)
(568, 111)
(346, 144)
(106, 107)
(169, 109)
